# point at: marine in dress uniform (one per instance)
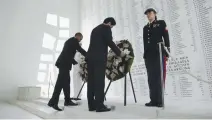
(154, 32)
(64, 64)
(100, 39)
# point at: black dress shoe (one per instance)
(92, 109)
(76, 99)
(54, 106)
(151, 104)
(159, 105)
(103, 109)
(57, 108)
(70, 103)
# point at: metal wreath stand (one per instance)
(125, 87)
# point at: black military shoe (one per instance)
(70, 103)
(92, 109)
(103, 109)
(159, 105)
(54, 106)
(151, 104)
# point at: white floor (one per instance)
(173, 110)
(8, 111)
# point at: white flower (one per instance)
(115, 71)
(128, 57)
(107, 71)
(109, 64)
(111, 51)
(126, 51)
(121, 69)
(112, 76)
(110, 57)
(119, 59)
(115, 63)
(126, 45)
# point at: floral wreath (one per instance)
(83, 69)
(117, 67)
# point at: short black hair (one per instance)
(78, 34)
(111, 20)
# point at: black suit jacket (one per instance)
(153, 34)
(66, 58)
(100, 39)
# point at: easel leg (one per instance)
(125, 90)
(49, 89)
(132, 87)
(107, 88)
(81, 90)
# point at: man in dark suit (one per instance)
(64, 64)
(153, 33)
(100, 39)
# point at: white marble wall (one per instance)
(190, 26)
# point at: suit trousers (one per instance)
(63, 82)
(96, 83)
(152, 62)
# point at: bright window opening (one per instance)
(51, 19)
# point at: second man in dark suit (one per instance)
(100, 39)
(64, 64)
